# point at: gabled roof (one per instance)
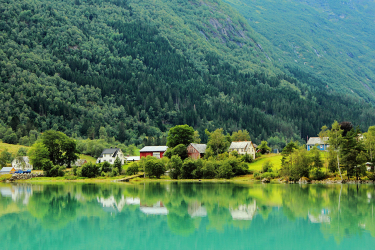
(154, 149)
(317, 140)
(24, 158)
(6, 169)
(239, 144)
(112, 151)
(201, 148)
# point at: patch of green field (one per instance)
(87, 158)
(275, 159)
(11, 148)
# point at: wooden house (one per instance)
(196, 151)
(155, 151)
(243, 147)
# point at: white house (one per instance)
(22, 163)
(243, 147)
(110, 155)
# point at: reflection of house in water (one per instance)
(195, 209)
(111, 205)
(18, 192)
(156, 209)
(244, 212)
(132, 201)
(321, 218)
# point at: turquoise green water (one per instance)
(186, 216)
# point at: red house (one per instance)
(196, 151)
(156, 151)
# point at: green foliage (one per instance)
(209, 170)
(188, 167)
(22, 152)
(263, 147)
(154, 167)
(180, 150)
(89, 170)
(117, 164)
(225, 171)
(246, 158)
(38, 155)
(5, 157)
(240, 136)
(180, 134)
(106, 167)
(96, 69)
(133, 169)
(267, 167)
(175, 167)
(61, 149)
(218, 142)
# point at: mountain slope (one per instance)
(331, 40)
(140, 67)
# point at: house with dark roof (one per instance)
(243, 147)
(155, 151)
(196, 151)
(320, 143)
(110, 155)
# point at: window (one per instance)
(110, 160)
(156, 154)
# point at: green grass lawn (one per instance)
(11, 148)
(275, 159)
(87, 158)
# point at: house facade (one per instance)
(110, 155)
(22, 163)
(320, 143)
(196, 151)
(243, 147)
(155, 151)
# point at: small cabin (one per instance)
(320, 143)
(155, 151)
(7, 170)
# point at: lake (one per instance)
(186, 216)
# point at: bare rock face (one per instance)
(17, 177)
(266, 180)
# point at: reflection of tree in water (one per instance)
(54, 207)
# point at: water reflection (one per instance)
(188, 210)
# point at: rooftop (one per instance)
(239, 144)
(317, 140)
(154, 149)
(201, 148)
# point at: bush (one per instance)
(257, 175)
(269, 175)
(225, 171)
(180, 150)
(133, 169)
(56, 171)
(247, 158)
(89, 170)
(106, 167)
(175, 167)
(267, 167)
(198, 173)
(114, 172)
(209, 170)
(188, 168)
(154, 167)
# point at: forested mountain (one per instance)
(332, 40)
(140, 67)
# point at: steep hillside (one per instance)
(331, 40)
(140, 67)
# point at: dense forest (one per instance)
(138, 68)
(330, 39)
